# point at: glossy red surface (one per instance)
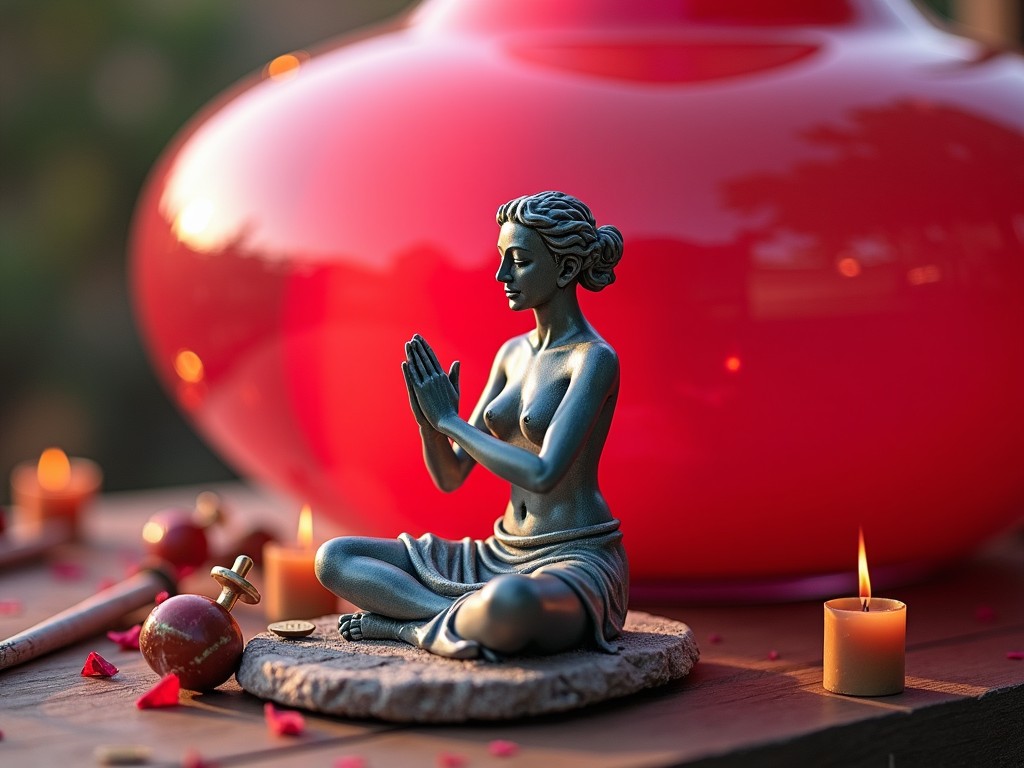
(819, 313)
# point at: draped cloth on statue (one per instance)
(590, 560)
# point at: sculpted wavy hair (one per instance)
(568, 227)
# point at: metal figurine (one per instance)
(554, 575)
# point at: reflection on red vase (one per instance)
(818, 314)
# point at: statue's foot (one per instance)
(373, 626)
(350, 626)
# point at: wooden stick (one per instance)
(92, 615)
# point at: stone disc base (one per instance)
(394, 681)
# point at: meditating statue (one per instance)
(554, 575)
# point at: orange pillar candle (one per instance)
(54, 491)
(865, 641)
(291, 589)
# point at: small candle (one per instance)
(54, 491)
(291, 589)
(865, 641)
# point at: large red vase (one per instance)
(819, 314)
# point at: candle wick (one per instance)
(864, 606)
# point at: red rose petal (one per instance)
(193, 759)
(450, 760)
(66, 570)
(773, 655)
(283, 722)
(714, 638)
(349, 761)
(185, 570)
(985, 614)
(10, 607)
(502, 748)
(131, 568)
(1015, 655)
(163, 694)
(97, 666)
(161, 596)
(127, 640)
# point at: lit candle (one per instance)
(54, 490)
(865, 641)
(291, 589)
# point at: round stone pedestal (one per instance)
(394, 681)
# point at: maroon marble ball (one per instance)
(194, 637)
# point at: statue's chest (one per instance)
(534, 389)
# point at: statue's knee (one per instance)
(512, 598)
(330, 561)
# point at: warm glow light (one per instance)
(54, 470)
(848, 266)
(305, 534)
(193, 221)
(189, 366)
(930, 273)
(733, 364)
(285, 66)
(152, 532)
(862, 572)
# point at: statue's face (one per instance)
(527, 267)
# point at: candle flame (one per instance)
(54, 470)
(862, 572)
(305, 534)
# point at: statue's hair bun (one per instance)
(599, 269)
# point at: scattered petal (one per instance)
(349, 761)
(985, 614)
(283, 722)
(1015, 655)
(450, 760)
(65, 570)
(193, 759)
(714, 638)
(97, 666)
(502, 748)
(10, 607)
(131, 568)
(127, 640)
(163, 694)
(161, 596)
(773, 655)
(185, 570)
(122, 754)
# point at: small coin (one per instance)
(292, 628)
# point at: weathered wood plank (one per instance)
(964, 703)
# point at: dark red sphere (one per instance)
(194, 637)
(174, 537)
(818, 313)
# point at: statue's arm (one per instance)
(592, 382)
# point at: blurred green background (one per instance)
(90, 93)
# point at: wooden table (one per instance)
(964, 702)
